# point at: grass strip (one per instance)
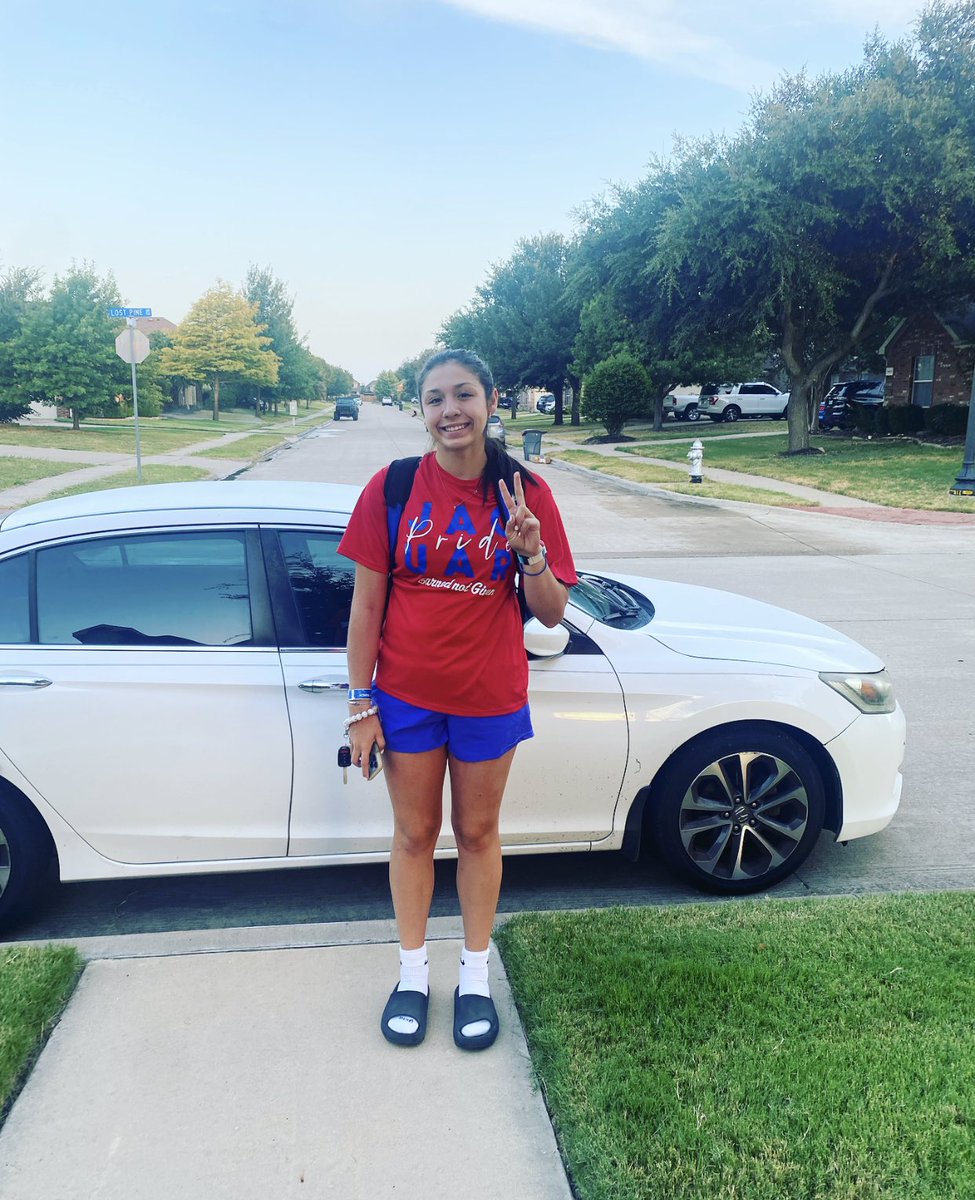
(35, 983)
(15, 471)
(900, 474)
(664, 477)
(754, 1051)
(153, 473)
(248, 449)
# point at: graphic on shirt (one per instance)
(425, 544)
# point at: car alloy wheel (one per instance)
(738, 810)
(732, 412)
(692, 413)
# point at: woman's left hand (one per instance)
(523, 531)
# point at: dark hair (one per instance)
(500, 464)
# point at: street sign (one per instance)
(132, 346)
(130, 312)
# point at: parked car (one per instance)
(729, 401)
(683, 404)
(174, 663)
(545, 403)
(838, 408)
(346, 406)
(495, 429)
(387, 402)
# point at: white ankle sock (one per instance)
(474, 982)
(414, 974)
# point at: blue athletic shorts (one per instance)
(411, 730)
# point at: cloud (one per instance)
(691, 36)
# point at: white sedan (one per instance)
(174, 677)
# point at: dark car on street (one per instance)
(838, 409)
(346, 406)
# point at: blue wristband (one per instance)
(356, 694)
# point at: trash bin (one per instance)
(531, 441)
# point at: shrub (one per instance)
(617, 390)
(865, 417)
(950, 420)
(905, 418)
(11, 409)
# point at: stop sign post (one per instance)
(132, 346)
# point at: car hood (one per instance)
(710, 624)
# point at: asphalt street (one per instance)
(906, 591)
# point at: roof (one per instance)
(253, 495)
(959, 324)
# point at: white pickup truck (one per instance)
(728, 402)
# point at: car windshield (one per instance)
(610, 602)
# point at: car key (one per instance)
(345, 761)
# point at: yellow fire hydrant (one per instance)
(694, 457)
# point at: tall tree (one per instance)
(65, 352)
(297, 377)
(220, 340)
(387, 384)
(523, 321)
(19, 287)
(845, 198)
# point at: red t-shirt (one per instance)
(452, 639)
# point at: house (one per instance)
(931, 358)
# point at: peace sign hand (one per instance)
(523, 531)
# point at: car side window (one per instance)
(165, 589)
(321, 582)
(15, 600)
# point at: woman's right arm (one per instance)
(365, 624)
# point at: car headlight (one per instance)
(869, 693)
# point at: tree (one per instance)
(298, 376)
(65, 351)
(409, 372)
(844, 199)
(387, 384)
(220, 340)
(337, 381)
(617, 390)
(523, 321)
(18, 289)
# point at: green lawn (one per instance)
(673, 481)
(15, 471)
(249, 448)
(35, 983)
(899, 474)
(756, 1050)
(152, 473)
(156, 436)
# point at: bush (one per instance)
(617, 390)
(905, 418)
(865, 417)
(950, 420)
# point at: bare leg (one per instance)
(415, 783)
(476, 793)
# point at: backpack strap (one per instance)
(396, 491)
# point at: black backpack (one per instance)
(396, 491)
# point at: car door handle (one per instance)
(24, 681)
(322, 685)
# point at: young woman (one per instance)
(438, 674)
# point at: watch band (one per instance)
(533, 561)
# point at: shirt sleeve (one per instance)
(366, 539)
(554, 536)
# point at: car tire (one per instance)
(692, 413)
(731, 413)
(26, 856)
(738, 810)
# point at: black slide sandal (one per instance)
(467, 1010)
(406, 1004)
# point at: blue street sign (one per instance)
(130, 312)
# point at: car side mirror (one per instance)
(542, 642)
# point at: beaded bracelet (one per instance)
(369, 712)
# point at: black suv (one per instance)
(838, 409)
(346, 406)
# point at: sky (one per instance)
(380, 156)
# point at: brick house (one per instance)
(931, 358)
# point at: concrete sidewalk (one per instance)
(248, 1064)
